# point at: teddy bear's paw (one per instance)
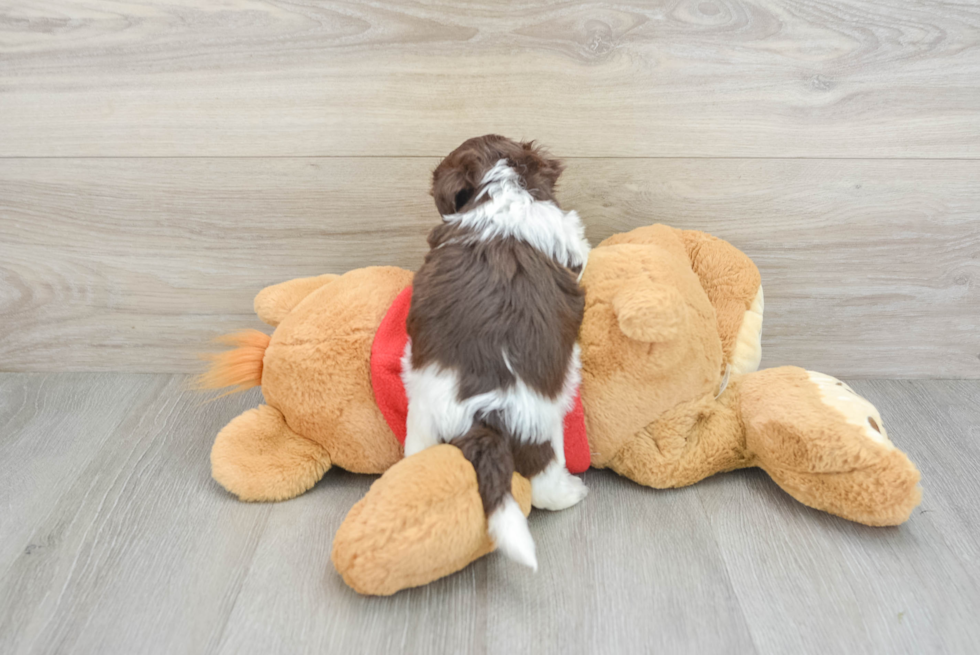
(423, 519)
(258, 457)
(856, 410)
(555, 488)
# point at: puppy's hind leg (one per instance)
(489, 453)
(555, 488)
(419, 430)
(434, 413)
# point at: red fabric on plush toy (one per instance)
(389, 390)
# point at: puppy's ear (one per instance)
(452, 188)
(543, 170)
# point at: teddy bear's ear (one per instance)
(648, 311)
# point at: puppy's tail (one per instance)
(489, 452)
(240, 367)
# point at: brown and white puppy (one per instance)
(492, 365)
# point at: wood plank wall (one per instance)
(162, 161)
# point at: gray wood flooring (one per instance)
(114, 539)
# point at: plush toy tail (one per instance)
(240, 367)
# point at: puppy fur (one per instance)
(492, 365)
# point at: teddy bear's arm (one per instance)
(273, 303)
(734, 287)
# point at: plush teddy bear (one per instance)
(670, 394)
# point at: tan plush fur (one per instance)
(820, 459)
(728, 278)
(317, 368)
(273, 303)
(664, 310)
(385, 543)
(259, 458)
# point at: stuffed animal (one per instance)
(670, 395)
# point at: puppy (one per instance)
(491, 365)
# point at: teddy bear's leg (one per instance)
(273, 303)
(686, 444)
(258, 458)
(827, 446)
(420, 521)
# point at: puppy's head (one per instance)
(458, 179)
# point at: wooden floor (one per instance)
(116, 540)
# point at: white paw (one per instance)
(555, 488)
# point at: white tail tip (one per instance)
(508, 529)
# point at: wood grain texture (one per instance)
(841, 78)
(115, 540)
(53, 428)
(813, 583)
(870, 268)
(121, 543)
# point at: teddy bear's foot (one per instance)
(855, 409)
(258, 458)
(556, 489)
(422, 520)
(827, 446)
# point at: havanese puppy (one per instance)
(491, 365)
